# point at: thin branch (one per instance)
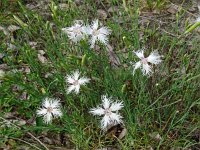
(25, 142)
(27, 133)
(37, 140)
(10, 122)
(169, 33)
(183, 9)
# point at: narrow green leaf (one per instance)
(20, 22)
(194, 26)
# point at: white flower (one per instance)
(98, 34)
(75, 32)
(153, 58)
(110, 111)
(75, 82)
(50, 109)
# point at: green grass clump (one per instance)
(160, 111)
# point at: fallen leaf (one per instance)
(123, 133)
(13, 28)
(199, 5)
(27, 69)
(11, 46)
(23, 147)
(102, 13)
(33, 44)
(20, 122)
(79, 2)
(3, 66)
(149, 148)
(113, 9)
(2, 74)
(5, 31)
(31, 6)
(114, 60)
(24, 96)
(48, 140)
(42, 59)
(172, 9)
(42, 52)
(8, 115)
(116, 131)
(48, 74)
(156, 136)
(63, 6)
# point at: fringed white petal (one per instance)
(105, 122)
(83, 81)
(93, 41)
(76, 75)
(106, 102)
(116, 118)
(146, 69)
(103, 39)
(41, 111)
(97, 111)
(55, 103)
(136, 66)
(87, 30)
(47, 118)
(77, 88)
(105, 31)
(116, 106)
(46, 102)
(67, 30)
(57, 113)
(69, 79)
(70, 89)
(154, 58)
(140, 53)
(95, 24)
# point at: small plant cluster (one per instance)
(108, 109)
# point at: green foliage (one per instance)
(166, 103)
(158, 4)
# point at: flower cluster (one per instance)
(51, 107)
(75, 32)
(108, 109)
(94, 32)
